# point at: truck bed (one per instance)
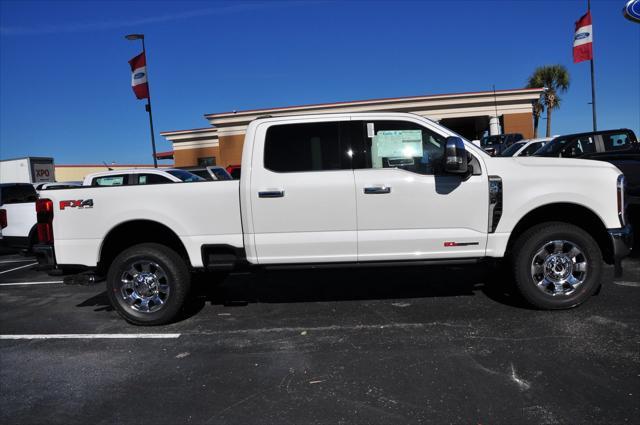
(199, 213)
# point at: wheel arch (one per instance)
(134, 232)
(571, 213)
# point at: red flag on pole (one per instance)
(583, 39)
(139, 76)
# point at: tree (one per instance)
(555, 78)
(538, 109)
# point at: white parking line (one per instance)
(18, 268)
(15, 261)
(31, 283)
(91, 336)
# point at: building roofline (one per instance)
(189, 131)
(366, 101)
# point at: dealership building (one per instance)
(469, 114)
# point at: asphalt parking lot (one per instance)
(414, 345)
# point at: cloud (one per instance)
(107, 25)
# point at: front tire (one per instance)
(148, 283)
(556, 265)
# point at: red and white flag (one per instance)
(139, 76)
(583, 39)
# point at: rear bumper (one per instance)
(45, 255)
(621, 241)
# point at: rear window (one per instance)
(18, 194)
(616, 141)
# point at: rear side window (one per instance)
(115, 180)
(18, 194)
(578, 147)
(152, 179)
(295, 148)
(616, 141)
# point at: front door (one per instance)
(302, 194)
(407, 207)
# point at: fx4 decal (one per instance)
(80, 203)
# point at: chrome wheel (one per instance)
(145, 286)
(559, 267)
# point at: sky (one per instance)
(65, 81)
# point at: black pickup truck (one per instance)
(619, 147)
(628, 161)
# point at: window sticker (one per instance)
(396, 144)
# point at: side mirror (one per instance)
(455, 156)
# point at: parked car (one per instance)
(494, 145)
(211, 172)
(359, 189)
(137, 176)
(18, 215)
(578, 145)
(525, 147)
(234, 171)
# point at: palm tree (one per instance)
(538, 109)
(555, 78)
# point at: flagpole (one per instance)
(593, 82)
(148, 107)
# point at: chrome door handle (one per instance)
(271, 194)
(376, 190)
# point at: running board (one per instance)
(363, 264)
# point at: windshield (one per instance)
(511, 150)
(185, 176)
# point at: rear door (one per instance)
(407, 207)
(302, 193)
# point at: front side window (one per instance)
(531, 149)
(152, 179)
(306, 147)
(115, 180)
(404, 145)
(221, 174)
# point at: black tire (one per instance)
(530, 243)
(175, 274)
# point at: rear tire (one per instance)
(556, 265)
(148, 283)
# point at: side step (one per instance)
(83, 279)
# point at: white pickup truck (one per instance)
(346, 190)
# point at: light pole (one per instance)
(148, 105)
